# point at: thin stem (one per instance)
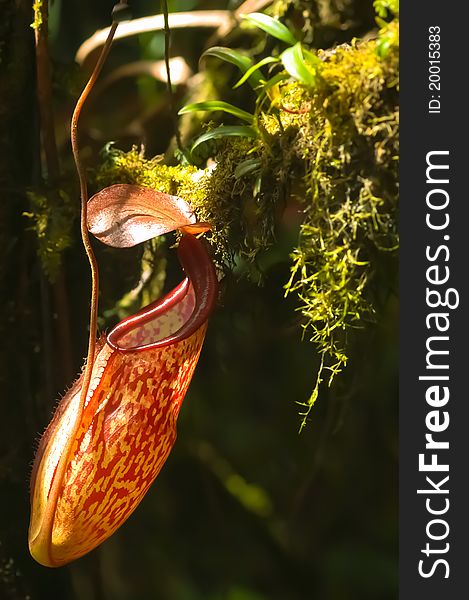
(167, 43)
(84, 214)
(44, 90)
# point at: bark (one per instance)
(20, 325)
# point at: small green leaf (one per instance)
(381, 23)
(273, 81)
(213, 105)
(241, 61)
(311, 57)
(271, 26)
(382, 47)
(294, 63)
(247, 166)
(384, 7)
(225, 131)
(265, 61)
(267, 87)
(256, 190)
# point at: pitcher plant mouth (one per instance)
(119, 440)
(201, 284)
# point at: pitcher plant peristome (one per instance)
(114, 429)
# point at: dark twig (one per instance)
(48, 140)
(44, 91)
(172, 108)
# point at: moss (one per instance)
(384, 7)
(349, 142)
(38, 7)
(188, 182)
(342, 138)
(242, 222)
(52, 214)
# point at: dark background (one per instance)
(245, 508)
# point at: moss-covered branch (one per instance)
(325, 142)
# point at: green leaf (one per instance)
(382, 47)
(265, 61)
(381, 23)
(256, 190)
(247, 166)
(273, 81)
(271, 26)
(241, 61)
(383, 7)
(311, 57)
(225, 131)
(294, 63)
(213, 105)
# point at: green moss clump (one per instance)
(349, 142)
(384, 7)
(52, 214)
(341, 138)
(187, 182)
(242, 221)
(133, 167)
(38, 8)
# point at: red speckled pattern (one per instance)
(114, 447)
(125, 437)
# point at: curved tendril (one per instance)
(84, 212)
(46, 526)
